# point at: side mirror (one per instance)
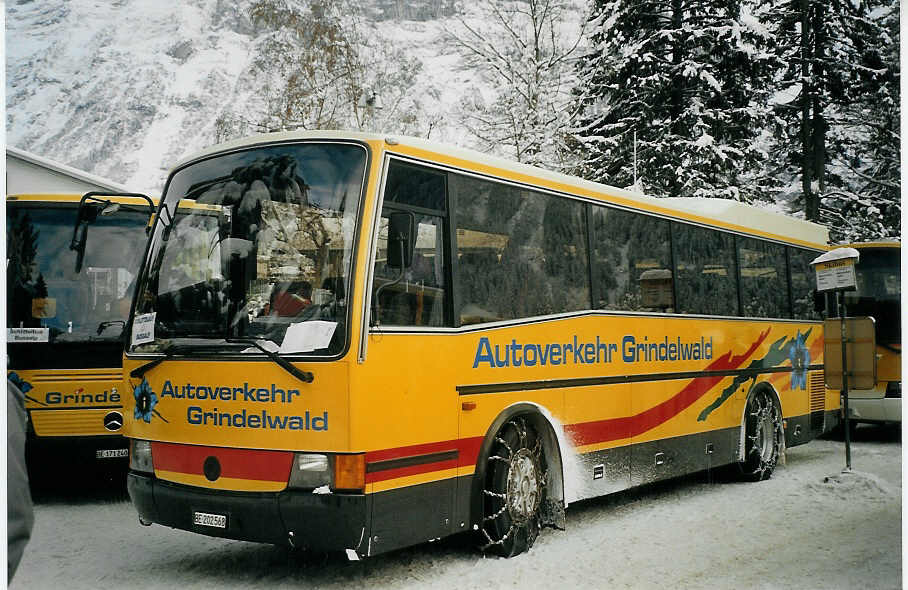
(401, 239)
(88, 213)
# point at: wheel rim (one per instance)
(523, 486)
(766, 422)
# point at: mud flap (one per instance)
(552, 514)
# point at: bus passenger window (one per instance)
(705, 276)
(509, 265)
(764, 292)
(631, 261)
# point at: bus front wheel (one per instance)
(514, 490)
(763, 436)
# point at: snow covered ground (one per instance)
(797, 530)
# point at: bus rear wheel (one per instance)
(514, 490)
(763, 437)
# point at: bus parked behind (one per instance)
(70, 277)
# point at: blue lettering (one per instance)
(483, 353)
(527, 348)
(544, 353)
(320, 422)
(578, 352)
(263, 395)
(628, 346)
(248, 394)
(590, 352)
(167, 389)
(556, 354)
(274, 422)
(239, 420)
(194, 415)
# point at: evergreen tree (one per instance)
(838, 113)
(674, 95)
(868, 207)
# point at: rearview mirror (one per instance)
(401, 239)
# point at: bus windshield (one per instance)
(47, 299)
(254, 245)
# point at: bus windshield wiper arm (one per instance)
(169, 353)
(304, 376)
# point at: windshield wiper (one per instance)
(304, 376)
(104, 325)
(168, 353)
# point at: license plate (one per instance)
(207, 519)
(111, 453)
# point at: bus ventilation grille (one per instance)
(817, 387)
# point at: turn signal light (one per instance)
(350, 472)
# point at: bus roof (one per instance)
(72, 198)
(861, 245)
(725, 213)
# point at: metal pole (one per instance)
(841, 297)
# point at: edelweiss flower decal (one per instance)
(145, 401)
(24, 386)
(800, 360)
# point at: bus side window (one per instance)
(764, 292)
(631, 261)
(511, 266)
(705, 273)
(418, 298)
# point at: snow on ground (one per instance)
(808, 527)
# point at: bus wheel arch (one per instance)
(507, 452)
(762, 436)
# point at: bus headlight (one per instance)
(140, 456)
(309, 470)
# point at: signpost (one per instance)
(835, 273)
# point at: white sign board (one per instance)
(307, 336)
(143, 328)
(834, 275)
(835, 270)
(23, 335)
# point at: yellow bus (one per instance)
(395, 341)
(878, 295)
(70, 275)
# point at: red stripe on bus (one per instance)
(235, 463)
(599, 431)
(467, 453)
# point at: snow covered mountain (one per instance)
(125, 88)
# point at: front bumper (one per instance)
(880, 410)
(321, 522)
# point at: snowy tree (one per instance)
(322, 72)
(517, 49)
(838, 137)
(869, 205)
(673, 97)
